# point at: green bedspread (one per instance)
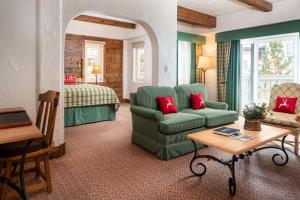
(89, 95)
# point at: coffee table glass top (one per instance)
(235, 146)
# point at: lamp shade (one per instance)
(96, 69)
(204, 62)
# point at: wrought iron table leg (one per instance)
(232, 182)
(230, 164)
(284, 160)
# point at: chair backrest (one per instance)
(285, 90)
(184, 93)
(146, 96)
(47, 113)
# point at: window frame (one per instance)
(135, 47)
(101, 62)
(254, 59)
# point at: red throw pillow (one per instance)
(70, 79)
(166, 104)
(286, 105)
(198, 101)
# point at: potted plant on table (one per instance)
(253, 116)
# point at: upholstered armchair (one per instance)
(285, 120)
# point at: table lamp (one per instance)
(96, 70)
(204, 62)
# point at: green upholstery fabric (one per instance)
(146, 96)
(214, 117)
(148, 128)
(165, 135)
(177, 122)
(164, 152)
(89, 114)
(133, 100)
(176, 137)
(216, 105)
(147, 113)
(184, 93)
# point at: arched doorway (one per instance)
(118, 47)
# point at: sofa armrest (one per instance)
(216, 105)
(147, 113)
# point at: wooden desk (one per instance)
(19, 134)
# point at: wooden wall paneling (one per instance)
(113, 60)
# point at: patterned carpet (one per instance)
(101, 163)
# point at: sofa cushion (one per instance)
(282, 119)
(184, 93)
(177, 122)
(146, 96)
(214, 117)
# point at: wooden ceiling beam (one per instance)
(103, 21)
(195, 18)
(261, 5)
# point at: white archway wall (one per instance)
(156, 16)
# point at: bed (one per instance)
(87, 103)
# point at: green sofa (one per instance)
(165, 135)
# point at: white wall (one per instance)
(282, 11)
(129, 36)
(129, 84)
(50, 54)
(156, 16)
(18, 55)
(286, 10)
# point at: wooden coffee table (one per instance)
(238, 149)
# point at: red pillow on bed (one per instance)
(166, 104)
(70, 79)
(286, 105)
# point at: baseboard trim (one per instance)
(126, 100)
(58, 151)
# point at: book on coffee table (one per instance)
(242, 137)
(226, 131)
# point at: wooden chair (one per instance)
(39, 149)
(285, 120)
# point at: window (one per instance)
(94, 55)
(138, 62)
(184, 62)
(267, 62)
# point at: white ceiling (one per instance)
(217, 7)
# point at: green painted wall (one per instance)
(193, 39)
(260, 31)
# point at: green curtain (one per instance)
(234, 77)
